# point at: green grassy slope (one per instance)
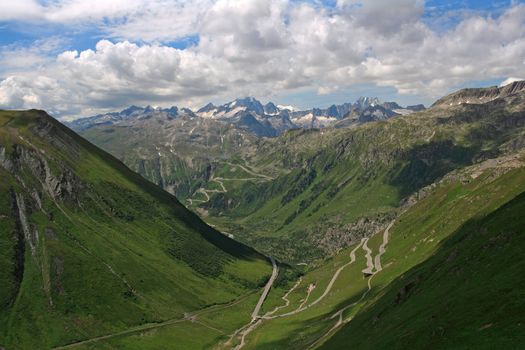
(89, 248)
(450, 271)
(468, 295)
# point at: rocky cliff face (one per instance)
(60, 184)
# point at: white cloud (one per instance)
(20, 9)
(257, 47)
(16, 57)
(509, 81)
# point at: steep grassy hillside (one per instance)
(468, 295)
(89, 248)
(450, 276)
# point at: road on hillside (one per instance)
(266, 290)
(326, 291)
(382, 250)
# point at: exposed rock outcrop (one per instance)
(64, 186)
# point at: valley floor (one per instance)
(314, 310)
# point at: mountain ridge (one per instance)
(267, 120)
(243, 181)
(92, 247)
(480, 95)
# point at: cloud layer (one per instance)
(256, 47)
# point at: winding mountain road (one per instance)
(285, 298)
(369, 262)
(378, 268)
(146, 327)
(327, 289)
(266, 290)
(249, 171)
(386, 235)
(256, 320)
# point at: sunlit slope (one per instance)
(457, 251)
(88, 247)
(468, 295)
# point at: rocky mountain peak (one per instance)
(209, 107)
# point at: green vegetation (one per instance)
(90, 248)
(305, 194)
(450, 272)
(97, 256)
(469, 294)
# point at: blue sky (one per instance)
(78, 57)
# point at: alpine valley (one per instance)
(365, 225)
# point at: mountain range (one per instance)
(268, 120)
(170, 228)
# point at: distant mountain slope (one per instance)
(87, 247)
(178, 154)
(308, 192)
(179, 149)
(336, 186)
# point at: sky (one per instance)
(78, 58)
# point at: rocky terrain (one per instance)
(250, 115)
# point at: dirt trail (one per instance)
(285, 298)
(218, 180)
(328, 287)
(126, 332)
(309, 291)
(336, 274)
(247, 329)
(223, 188)
(206, 192)
(190, 317)
(249, 171)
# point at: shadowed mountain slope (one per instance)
(88, 247)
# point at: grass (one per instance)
(466, 295)
(150, 260)
(111, 253)
(426, 235)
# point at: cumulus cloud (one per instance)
(509, 81)
(261, 48)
